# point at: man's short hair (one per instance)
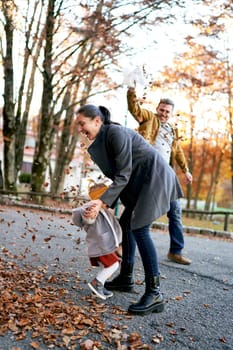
(166, 101)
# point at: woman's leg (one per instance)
(152, 299)
(128, 240)
(147, 250)
(124, 281)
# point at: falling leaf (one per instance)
(157, 339)
(67, 171)
(4, 250)
(170, 324)
(206, 305)
(187, 293)
(192, 339)
(223, 340)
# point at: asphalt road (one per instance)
(199, 297)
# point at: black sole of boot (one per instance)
(153, 309)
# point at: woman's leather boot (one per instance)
(151, 301)
(124, 282)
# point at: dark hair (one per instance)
(166, 101)
(92, 111)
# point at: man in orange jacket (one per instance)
(155, 128)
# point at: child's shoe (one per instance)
(107, 293)
(99, 290)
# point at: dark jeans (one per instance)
(140, 238)
(175, 227)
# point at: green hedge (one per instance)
(25, 178)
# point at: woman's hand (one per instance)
(93, 208)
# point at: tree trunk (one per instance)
(66, 148)
(8, 109)
(229, 88)
(43, 145)
(190, 160)
(1, 176)
(26, 89)
(201, 174)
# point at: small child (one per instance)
(103, 236)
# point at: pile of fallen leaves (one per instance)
(32, 304)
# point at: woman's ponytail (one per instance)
(106, 115)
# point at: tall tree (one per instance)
(34, 34)
(18, 98)
(43, 144)
(8, 10)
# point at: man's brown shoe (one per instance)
(179, 259)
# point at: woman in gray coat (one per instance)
(145, 184)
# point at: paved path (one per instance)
(199, 297)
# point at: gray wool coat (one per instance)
(142, 179)
(103, 236)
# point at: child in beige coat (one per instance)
(103, 236)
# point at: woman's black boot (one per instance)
(151, 301)
(124, 282)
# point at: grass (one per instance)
(216, 224)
